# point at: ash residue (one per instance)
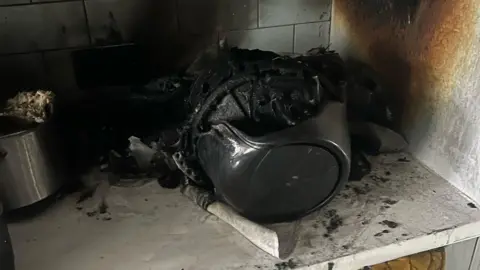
(380, 178)
(86, 194)
(381, 233)
(390, 224)
(103, 207)
(362, 190)
(290, 264)
(333, 222)
(92, 200)
(390, 202)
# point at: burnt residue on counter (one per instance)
(390, 224)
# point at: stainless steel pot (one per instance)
(29, 170)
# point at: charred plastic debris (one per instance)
(273, 136)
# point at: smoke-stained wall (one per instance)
(428, 55)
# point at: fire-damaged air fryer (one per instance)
(269, 132)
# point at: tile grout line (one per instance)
(87, 22)
(293, 39)
(329, 44)
(476, 249)
(258, 13)
(39, 3)
(63, 49)
(177, 15)
(275, 26)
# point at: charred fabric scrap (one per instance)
(263, 132)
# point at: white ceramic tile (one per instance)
(13, 2)
(47, 26)
(311, 35)
(283, 12)
(217, 15)
(118, 21)
(277, 39)
(459, 255)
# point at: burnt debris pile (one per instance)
(232, 98)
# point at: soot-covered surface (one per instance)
(398, 209)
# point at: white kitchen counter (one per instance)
(400, 209)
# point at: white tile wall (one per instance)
(13, 2)
(38, 27)
(174, 30)
(217, 15)
(117, 21)
(278, 39)
(282, 12)
(459, 256)
(311, 35)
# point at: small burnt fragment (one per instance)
(380, 178)
(360, 166)
(102, 209)
(471, 205)
(385, 231)
(404, 234)
(330, 213)
(361, 191)
(171, 180)
(390, 202)
(378, 234)
(86, 194)
(290, 264)
(403, 159)
(390, 224)
(334, 221)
